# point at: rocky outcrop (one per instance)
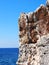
(35, 54)
(34, 37)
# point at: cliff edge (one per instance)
(34, 37)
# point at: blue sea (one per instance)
(8, 56)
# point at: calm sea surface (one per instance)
(8, 56)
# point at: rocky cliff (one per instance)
(34, 37)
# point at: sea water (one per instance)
(8, 56)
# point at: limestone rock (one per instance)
(33, 24)
(34, 37)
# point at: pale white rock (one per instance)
(47, 2)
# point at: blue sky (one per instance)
(9, 13)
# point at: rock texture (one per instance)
(34, 37)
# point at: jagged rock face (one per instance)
(33, 24)
(35, 54)
(47, 3)
(34, 37)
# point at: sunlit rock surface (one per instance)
(34, 37)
